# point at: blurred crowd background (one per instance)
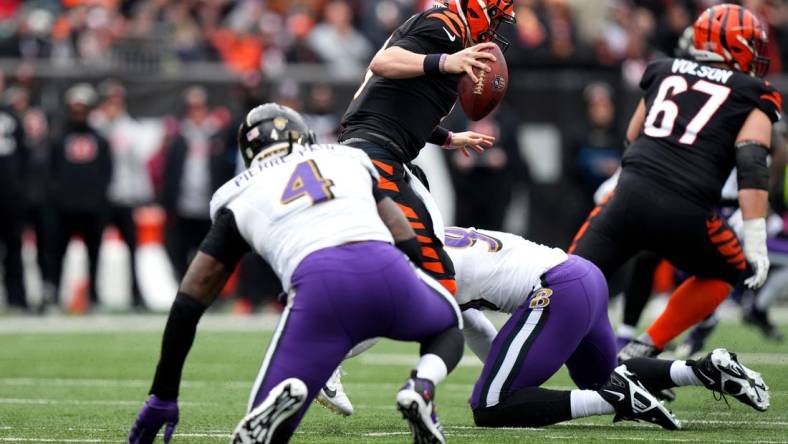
(118, 117)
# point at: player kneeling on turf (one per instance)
(558, 307)
(311, 212)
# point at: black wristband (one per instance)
(439, 136)
(175, 344)
(412, 249)
(432, 64)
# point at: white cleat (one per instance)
(721, 371)
(260, 426)
(415, 401)
(333, 397)
(632, 402)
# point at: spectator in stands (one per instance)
(38, 211)
(198, 162)
(321, 115)
(13, 156)
(81, 168)
(338, 43)
(131, 186)
(594, 148)
(483, 183)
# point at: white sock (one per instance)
(589, 403)
(683, 375)
(432, 367)
(626, 331)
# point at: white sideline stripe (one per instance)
(611, 438)
(119, 383)
(20, 439)
(41, 401)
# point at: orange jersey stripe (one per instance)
(408, 211)
(435, 267)
(417, 225)
(449, 284)
(386, 168)
(429, 252)
(386, 184)
(725, 236)
(447, 21)
(423, 239)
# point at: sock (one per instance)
(432, 367)
(695, 299)
(626, 331)
(527, 407)
(653, 373)
(682, 374)
(589, 403)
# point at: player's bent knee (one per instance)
(448, 345)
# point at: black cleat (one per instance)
(720, 371)
(415, 402)
(261, 425)
(633, 402)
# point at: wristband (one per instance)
(442, 63)
(448, 139)
(432, 64)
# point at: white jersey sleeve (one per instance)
(495, 270)
(318, 196)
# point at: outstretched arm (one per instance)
(399, 63)
(752, 148)
(219, 253)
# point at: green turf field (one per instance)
(87, 387)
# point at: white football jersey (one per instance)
(318, 196)
(495, 270)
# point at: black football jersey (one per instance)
(693, 114)
(400, 114)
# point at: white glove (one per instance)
(606, 187)
(754, 234)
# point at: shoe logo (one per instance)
(618, 395)
(329, 392)
(452, 37)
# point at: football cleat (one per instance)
(637, 349)
(633, 402)
(415, 402)
(332, 396)
(262, 424)
(720, 371)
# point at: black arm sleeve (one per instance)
(175, 345)
(439, 136)
(224, 242)
(751, 169)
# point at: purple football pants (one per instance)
(564, 322)
(345, 295)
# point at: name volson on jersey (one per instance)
(702, 71)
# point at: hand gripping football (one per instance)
(480, 98)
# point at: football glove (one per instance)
(754, 234)
(153, 415)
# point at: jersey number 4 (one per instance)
(306, 180)
(669, 110)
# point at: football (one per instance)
(480, 98)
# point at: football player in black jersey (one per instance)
(411, 85)
(697, 120)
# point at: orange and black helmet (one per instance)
(482, 17)
(732, 35)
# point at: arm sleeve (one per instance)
(432, 33)
(439, 136)
(224, 242)
(479, 332)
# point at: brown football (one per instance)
(479, 99)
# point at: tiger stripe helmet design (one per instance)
(483, 17)
(732, 35)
